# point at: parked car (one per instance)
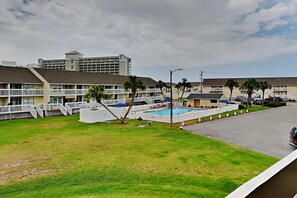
(275, 99)
(257, 102)
(244, 101)
(293, 137)
(289, 99)
(239, 98)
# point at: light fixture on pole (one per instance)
(171, 111)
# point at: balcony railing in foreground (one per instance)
(277, 181)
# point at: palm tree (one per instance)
(133, 84)
(183, 85)
(231, 84)
(160, 84)
(97, 92)
(250, 85)
(177, 86)
(263, 85)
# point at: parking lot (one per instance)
(263, 131)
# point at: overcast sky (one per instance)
(220, 37)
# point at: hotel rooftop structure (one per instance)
(74, 61)
(35, 92)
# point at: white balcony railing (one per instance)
(116, 91)
(53, 106)
(280, 89)
(21, 92)
(216, 90)
(4, 92)
(81, 91)
(15, 109)
(77, 105)
(64, 92)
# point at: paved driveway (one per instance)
(263, 131)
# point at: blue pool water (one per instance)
(176, 111)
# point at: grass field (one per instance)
(61, 157)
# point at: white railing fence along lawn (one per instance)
(33, 111)
(39, 110)
(186, 116)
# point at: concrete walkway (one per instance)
(264, 131)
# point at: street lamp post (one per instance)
(171, 111)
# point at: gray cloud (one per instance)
(170, 32)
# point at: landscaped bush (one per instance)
(241, 106)
(274, 104)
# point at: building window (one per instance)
(71, 66)
(16, 101)
(213, 101)
(57, 86)
(56, 100)
(28, 86)
(15, 86)
(28, 101)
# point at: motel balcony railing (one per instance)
(4, 93)
(79, 105)
(21, 92)
(14, 109)
(280, 89)
(216, 89)
(65, 92)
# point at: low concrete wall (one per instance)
(100, 115)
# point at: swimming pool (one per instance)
(175, 111)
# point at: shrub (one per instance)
(274, 104)
(241, 106)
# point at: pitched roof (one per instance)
(17, 75)
(168, 84)
(274, 81)
(195, 83)
(204, 96)
(75, 77)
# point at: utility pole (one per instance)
(171, 98)
(201, 81)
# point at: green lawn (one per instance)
(61, 157)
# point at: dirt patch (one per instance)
(21, 170)
(8, 176)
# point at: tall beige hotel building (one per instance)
(74, 61)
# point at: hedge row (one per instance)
(274, 104)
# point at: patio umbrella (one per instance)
(167, 100)
(223, 101)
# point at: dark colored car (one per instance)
(293, 137)
(239, 98)
(257, 102)
(275, 99)
(244, 101)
